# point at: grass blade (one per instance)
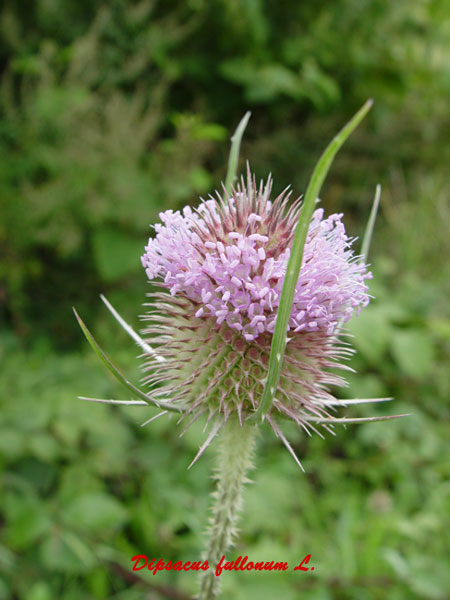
(234, 151)
(117, 374)
(279, 339)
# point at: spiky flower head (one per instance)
(222, 267)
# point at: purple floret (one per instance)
(230, 257)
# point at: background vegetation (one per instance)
(114, 111)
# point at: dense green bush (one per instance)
(113, 111)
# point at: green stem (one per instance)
(235, 452)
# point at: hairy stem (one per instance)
(235, 452)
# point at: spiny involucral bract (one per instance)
(222, 266)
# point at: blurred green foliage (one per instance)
(114, 111)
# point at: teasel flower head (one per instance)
(220, 269)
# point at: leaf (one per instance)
(5, 592)
(397, 562)
(372, 331)
(238, 70)
(234, 151)
(321, 89)
(40, 591)
(279, 339)
(117, 374)
(274, 80)
(12, 444)
(116, 253)
(94, 512)
(28, 522)
(413, 351)
(367, 238)
(65, 552)
(44, 446)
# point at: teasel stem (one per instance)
(235, 454)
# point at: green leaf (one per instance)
(371, 330)
(27, 523)
(234, 151)
(321, 89)
(43, 446)
(279, 339)
(117, 374)
(367, 238)
(209, 131)
(40, 591)
(94, 512)
(12, 443)
(274, 80)
(5, 592)
(116, 253)
(65, 552)
(413, 351)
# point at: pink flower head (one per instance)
(229, 258)
(223, 264)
